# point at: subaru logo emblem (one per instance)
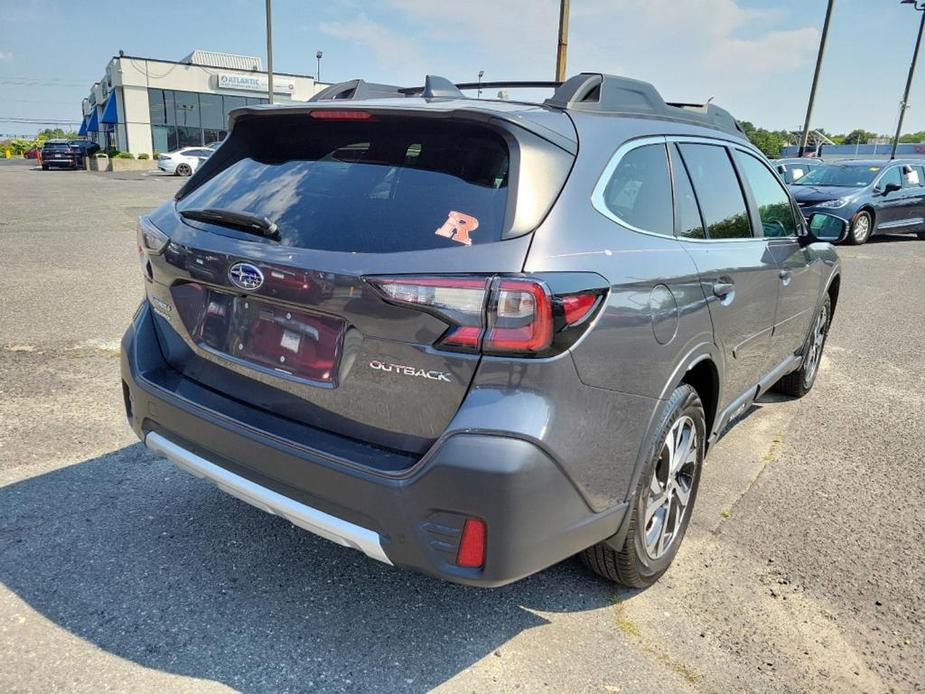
(245, 276)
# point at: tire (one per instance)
(184, 170)
(921, 235)
(862, 227)
(800, 382)
(44, 167)
(645, 556)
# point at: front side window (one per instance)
(773, 203)
(639, 192)
(718, 190)
(892, 175)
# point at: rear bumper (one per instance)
(534, 514)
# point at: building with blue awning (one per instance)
(144, 105)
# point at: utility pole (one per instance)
(318, 56)
(562, 53)
(904, 104)
(269, 52)
(812, 91)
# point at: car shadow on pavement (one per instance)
(156, 566)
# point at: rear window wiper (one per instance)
(237, 220)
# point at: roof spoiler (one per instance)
(591, 92)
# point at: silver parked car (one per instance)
(475, 337)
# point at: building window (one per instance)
(187, 109)
(210, 106)
(190, 119)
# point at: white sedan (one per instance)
(185, 161)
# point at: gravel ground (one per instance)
(802, 570)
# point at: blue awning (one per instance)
(83, 128)
(110, 114)
(94, 125)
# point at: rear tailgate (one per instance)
(291, 324)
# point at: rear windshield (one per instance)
(377, 186)
(57, 146)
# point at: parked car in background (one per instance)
(185, 161)
(58, 154)
(374, 317)
(875, 196)
(85, 147)
(794, 169)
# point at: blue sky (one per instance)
(755, 57)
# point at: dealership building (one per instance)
(145, 105)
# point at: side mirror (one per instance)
(891, 188)
(825, 227)
(781, 169)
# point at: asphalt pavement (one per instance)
(802, 570)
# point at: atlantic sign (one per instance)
(253, 83)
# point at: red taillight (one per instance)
(522, 319)
(495, 315)
(341, 114)
(471, 553)
(577, 306)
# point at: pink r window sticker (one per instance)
(458, 226)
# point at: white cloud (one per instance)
(6, 56)
(691, 49)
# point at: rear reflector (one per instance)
(332, 114)
(471, 552)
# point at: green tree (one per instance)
(858, 137)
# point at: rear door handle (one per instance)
(722, 289)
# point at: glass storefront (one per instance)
(190, 119)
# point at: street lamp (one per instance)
(318, 56)
(904, 104)
(481, 74)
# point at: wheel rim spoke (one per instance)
(670, 487)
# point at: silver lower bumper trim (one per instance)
(311, 519)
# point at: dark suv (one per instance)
(475, 337)
(59, 154)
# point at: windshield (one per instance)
(57, 146)
(840, 175)
(371, 186)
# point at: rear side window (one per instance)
(639, 192)
(773, 203)
(718, 190)
(371, 186)
(688, 222)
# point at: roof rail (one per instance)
(601, 93)
(591, 92)
(357, 89)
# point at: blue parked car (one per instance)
(874, 196)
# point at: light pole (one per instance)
(269, 53)
(562, 51)
(904, 104)
(812, 91)
(479, 93)
(318, 56)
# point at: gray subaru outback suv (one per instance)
(475, 337)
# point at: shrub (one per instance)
(144, 155)
(124, 155)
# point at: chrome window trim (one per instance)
(597, 195)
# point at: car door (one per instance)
(800, 269)
(738, 272)
(913, 195)
(889, 205)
